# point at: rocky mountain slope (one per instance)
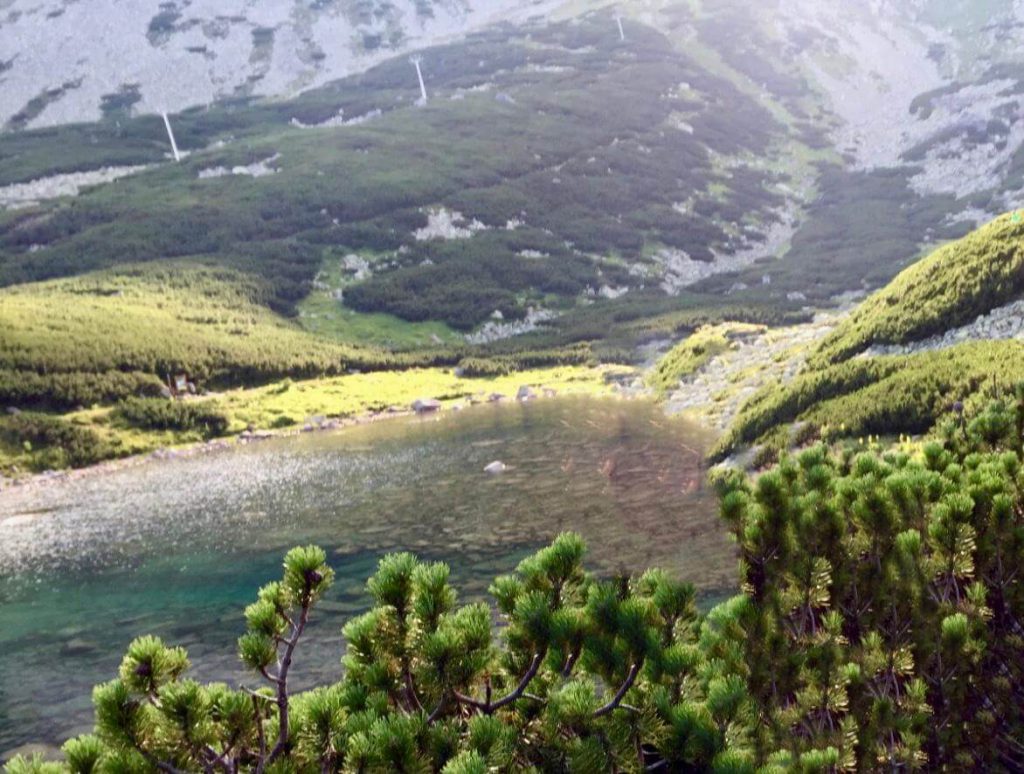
(167, 55)
(946, 332)
(579, 175)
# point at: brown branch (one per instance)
(414, 700)
(488, 707)
(269, 677)
(621, 693)
(571, 661)
(432, 718)
(523, 684)
(259, 724)
(282, 684)
(163, 766)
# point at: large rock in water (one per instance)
(496, 467)
(525, 393)
(426, 405)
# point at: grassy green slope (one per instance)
(838, 395)
(564, 129)
(72, 341)
(950, 287)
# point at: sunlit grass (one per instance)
(288, 404)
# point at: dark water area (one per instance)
(178, 547)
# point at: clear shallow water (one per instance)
(178, 547)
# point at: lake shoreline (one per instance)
(247, 437)
(199, 448)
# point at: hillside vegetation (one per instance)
(837, 395)
(949, 288)
(565, 155)
(694, 351)
(873, 396)
(111, 334)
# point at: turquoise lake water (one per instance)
(178, 547)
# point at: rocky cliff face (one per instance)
(67, 60)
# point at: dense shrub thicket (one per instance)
(203, 416)
(68, 390)
(498, 365)
(62, 444)
(879, 626)
(622, 323)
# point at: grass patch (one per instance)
(358, 394)
(689, 355)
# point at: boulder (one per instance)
(496, 467)
(426, 405)
(495, 397)
(525, 393)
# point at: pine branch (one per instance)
(410, 688)
(282, 684)
(571, 661)
(488, 707)
(621, 694)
